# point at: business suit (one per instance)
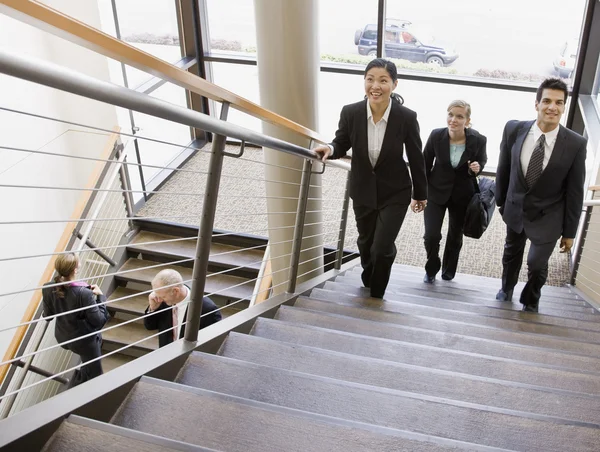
(381, 193)
(77, 324)
(448, 188)
(551, 208)
(163, 320)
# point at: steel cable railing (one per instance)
(114, 219)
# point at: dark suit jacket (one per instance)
(71, 326)
(389, 182)
(552, 207)
(163, 320)
(444, 181)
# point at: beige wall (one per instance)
(29, 169)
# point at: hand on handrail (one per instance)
(323, 151)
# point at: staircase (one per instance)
(234, 288)
(439, 367)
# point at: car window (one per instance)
(370, 32)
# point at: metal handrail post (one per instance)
(206, 231)
(579, 246)
(343, 224)
(124, 180)
(10, 400)
(299, 227)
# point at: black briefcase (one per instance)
(480, 208)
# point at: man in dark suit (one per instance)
(379, 129)
(539, 189)
(170, 299)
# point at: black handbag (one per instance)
(481, 208)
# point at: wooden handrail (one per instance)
(36, 298)
(48, 19)
(594, 188)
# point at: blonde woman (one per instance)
(454, 155)
(72, 295)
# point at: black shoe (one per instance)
(376, 295)
(447, 278)
(530, 308)
(428, 279)
(504, 296)
(365, 280)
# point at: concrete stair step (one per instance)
(227, 256)
(129, 333)
(419, 380)
(235, 424)
(78, 434)
(416, 281)
(448, 359)
(577, 313)
(400, 270)
(115, 360)
(529, 334)
(232, 287)
(434, 307)
(490, 342)
(379, 406)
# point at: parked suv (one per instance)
(405, 42)
(564, 63)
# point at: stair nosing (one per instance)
(431, 347)
(478, 304)
(433, 370)
(135, 434)
(460, 322)
(529, 319)
(476, 338)
(400, 393)
(322, 418)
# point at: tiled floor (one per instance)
(242, 208)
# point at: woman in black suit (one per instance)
(379, 129)
(66, 297)
(454, 156)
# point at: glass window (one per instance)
(160, 154)
(350, 37)
(512, 39)
(230, 77)
(232, 27)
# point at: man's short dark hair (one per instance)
(385, 64)
(552, 83)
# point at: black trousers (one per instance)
(87, 349)
(537, 265)
(377, 232)
(434, 217)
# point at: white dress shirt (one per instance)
(529, 145)
(181, 310)
(376, 132)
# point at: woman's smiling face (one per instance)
(379, 86)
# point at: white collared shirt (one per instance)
(529, 145)
(182, 309)
(376, 132)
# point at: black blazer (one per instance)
(163, 320)
(552, 207)
(389, 182)
(444, 181)
(71, 326)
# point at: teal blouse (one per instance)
(456, 152)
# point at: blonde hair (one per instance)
(461, 104)
(64, 265)
(167, 277)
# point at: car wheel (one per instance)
(357, 36)
(372, 53)
(435, 60)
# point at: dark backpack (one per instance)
(480, 208)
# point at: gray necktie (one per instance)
(536, 163)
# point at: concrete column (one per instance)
(288, 71)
